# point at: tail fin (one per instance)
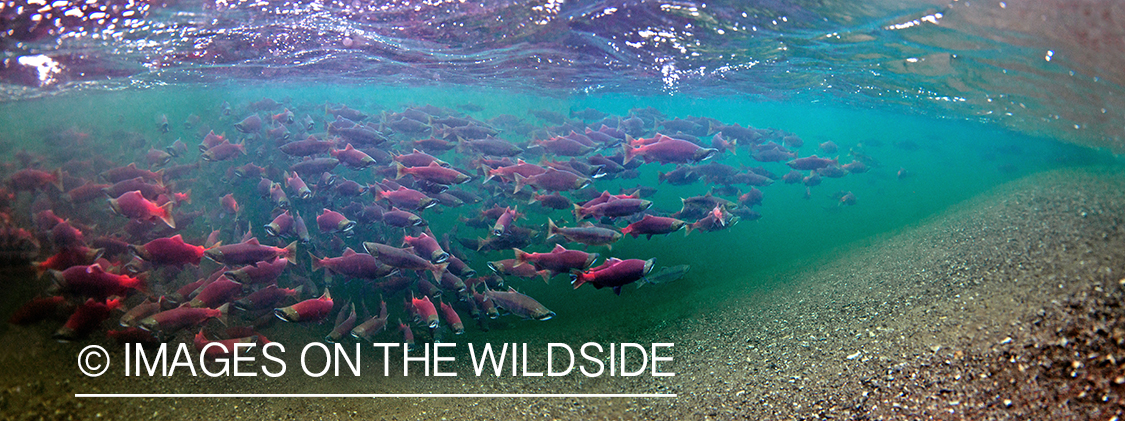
(317, 264)
(628, 149)
(552, 229)
(546, 274)
(140, 283)
(578, 214)
(487, 172)
(520, 182)
(660, 177)
(187, 196)
(291, 252)
(688, 228)
(521, 256)
(57, 182)
(399, 170)
(223, 311)
(166, 215)
(439, 270)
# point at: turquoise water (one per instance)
(948, 161)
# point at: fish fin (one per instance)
(552, 229)
(627, 148)
(520, 182)
(546, 274)
(291, 252)
(166, 215)
(140, 283)
(617, 290)
(57, 182)
(521, 256)
(399, 173)
(223, 311)
(317, 264)
(439, 270)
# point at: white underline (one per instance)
(374, 395)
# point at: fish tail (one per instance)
(552, 229)
(627, 148)
(224, 310)
(487, 172)
(317, 264)
(57, 179)
(546, 274)
(521, 256)
(578, 216)
(520, 182)
(140, 283)
(291, 252)
(187, 196)
(439, 270)
(399, 170)
(166, 215)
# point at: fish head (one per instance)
(544, 315)
(114, 205)
(590, 259)
(346, 226)
(497, 267)
(648, 265)
(703, 154)
(581, 183)
(287, 314)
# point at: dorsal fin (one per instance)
(253, 241)
(558, 248)
(349, 251)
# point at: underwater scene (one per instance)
(562, 210)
